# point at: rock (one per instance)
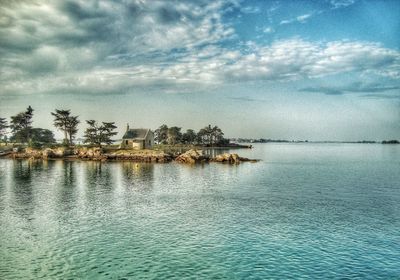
(32, 153)
(197, 156)
(139, 156)
(48, 153)
(90, 153)
(231, 158)
(84, 153)
(192, 156)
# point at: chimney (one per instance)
(127, 127)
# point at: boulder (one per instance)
(32, 153)
(48, 153)
(56, 152)
(228, 158)
(231, 158)
(89, 153)
(192, 156)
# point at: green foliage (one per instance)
(161, 134)
(189, 137)
(91, 133)
(106, 131)
(72, 128)
(40, 137)
(174, 135)
(96, 135)
(223, 141)
(66, 123)
(21, 126)
(209, 135)
(3, 128)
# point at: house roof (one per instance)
(136, 133)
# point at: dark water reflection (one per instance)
(65, 188)
(138, 175)
(23, 196)
(306, 211)
(215, 152)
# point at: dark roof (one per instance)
(136, 133)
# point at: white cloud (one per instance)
(250, 10)
(269, 30)
(286, 21)
(281, 61)
(303, 18)
(336, 4)
(286, 60)
(127, 26)
(300, 19)
(102, 48)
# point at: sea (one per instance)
(305, 211)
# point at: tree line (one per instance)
(23, 132)
(209, 135)
(96, 133)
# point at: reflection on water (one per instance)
(65, 193)
(138, 175)
(306, 211)
(98, 174)
(22, 189)
(214, 152)
(69, 176)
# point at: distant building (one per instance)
(137, 138)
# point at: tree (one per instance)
(161, 134)
(60, 122)
(72, 128)
(91, 133)
(217, 135)
(3, 127)
(96, 135)
(174, 135)
(205, 135)
(21, 125)
(106, 131)
(201, 136)
(42, 136)
(189, 137)
(66, 123)
(210, 135)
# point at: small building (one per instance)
(137, 138)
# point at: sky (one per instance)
(315, 70)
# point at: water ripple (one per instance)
(304, 212)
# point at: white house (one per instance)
(137, 138)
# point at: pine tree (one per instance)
(3, 127)
(67, 124)
(21, 125)
(96, 135)
(72, 128)
(91, 133)
(106, 131)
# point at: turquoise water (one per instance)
(307, 211)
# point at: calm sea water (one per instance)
(307, 211)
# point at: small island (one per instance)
(191, 156)
(165, 144)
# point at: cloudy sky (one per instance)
(316, 70)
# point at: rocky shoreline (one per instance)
(98, 154)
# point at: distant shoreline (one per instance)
(263, 141)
